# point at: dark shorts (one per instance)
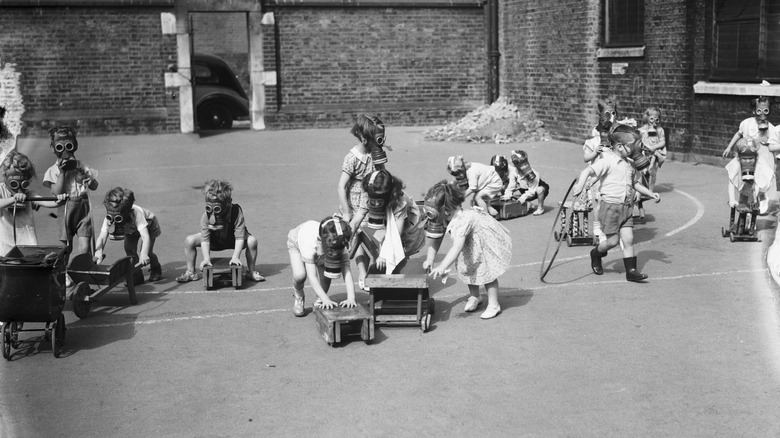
(221, 245)
(613, 217)
(77, 220)
(533, 194)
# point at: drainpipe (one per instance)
(492, 49)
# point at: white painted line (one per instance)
(699, 213)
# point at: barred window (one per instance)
(746, 40)
(624, 23)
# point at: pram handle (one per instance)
(40, 198)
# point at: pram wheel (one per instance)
(14, 334)
(7, 341)
(58, 335)
(425, 322)
(80, 307)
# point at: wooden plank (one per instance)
(411, 281)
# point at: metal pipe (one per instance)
(492, 50)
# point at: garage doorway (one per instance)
(220, 70)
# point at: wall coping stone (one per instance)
(735, 89)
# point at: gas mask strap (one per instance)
(373, 177)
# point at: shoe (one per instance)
(188, 276)
(595, 261)
(491, 312)
(631, 273)
(298, 309)
(254, 276)
(155, 276)
(539, 211)
(472, 303)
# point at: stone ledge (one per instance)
(620, 52)
(735, 89)
(92, 114)
(375, 107)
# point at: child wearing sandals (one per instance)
(222, 227)
(481, 246)
(319, 251)
(525, 182)
(129, 222)
(17, 171)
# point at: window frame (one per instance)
(610, 36)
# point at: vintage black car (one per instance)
(219, 97)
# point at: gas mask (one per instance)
(457, 169)
(634, 152)
(117, 218)
(377, 206)
(747, 154)
(607, 111)
(762, 112)
(434, 227)
(520, 160)
(334, 255)
(378, 155)
(17, 183)
(502, 168)
(64, 145)
(217, 213)
(652, 121)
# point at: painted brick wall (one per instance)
(551, 65)
(100, 69)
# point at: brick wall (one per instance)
(550, 65)
(410, 65)
(100, 69)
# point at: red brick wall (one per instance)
(101, 69)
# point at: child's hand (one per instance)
(98, 256)
(205, 263)
(144, 260)
(328, 304)
(346, 216)
(234, 261)
(427, 265)
(522, 199)
(348, 303)
(657, 197)
(20, 197)
(727, 152)
(62, 197)
(733, 204)
(439, 271)
(506, 197)
(381, 263)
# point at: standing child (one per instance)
(592, 151)
(525, 183)
(618, 182)
(72, 177)
(222, 227)
(481, 246)
(478, 179)
(127, 221)
(319, 252)
(759, 129)
(17, 172)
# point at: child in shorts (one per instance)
(618, 182)
(222, 227)
(129, 222)
(525, 184)
(319, 251)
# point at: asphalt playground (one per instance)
(693, 352)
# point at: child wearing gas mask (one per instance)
(129, 222)
(765, 135)
(501, 165)
(592, 150)
(359, 162)
(525, 183)
(17, 172)
(481, 247)
(393, 219)
(319, 251)
(613, 171)
(72, 177)
(222, 227)
(476, 179)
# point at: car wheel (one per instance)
(214, 115)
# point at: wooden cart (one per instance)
(400, 299)
(335, 324)
(85, 273)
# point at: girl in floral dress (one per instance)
(481, 246)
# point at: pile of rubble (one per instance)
(502, 122)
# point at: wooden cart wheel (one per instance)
(425, 322)
(568, 239)
(47, 332)
(547, 264)
(80, 307)
(723, 232)
(7, 341)
(431, 306)
(58, 335)
(731, 237)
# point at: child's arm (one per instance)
(512, 186)
(313, 276)
(590, 153)
(346, 273)
(727, 152)
(582, 180)
(433, 249)
(344, 196)
(205, 248)
(236, 259)
(11, 200)
(61, 198)
(645, 191)
(58, 187)
(143, 258)
(90, 183)
(100, 243)
(732, 195)
(452, 255)
(774, 140)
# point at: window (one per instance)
(746, 39)
(624, 23)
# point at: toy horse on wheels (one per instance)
(743, 194)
